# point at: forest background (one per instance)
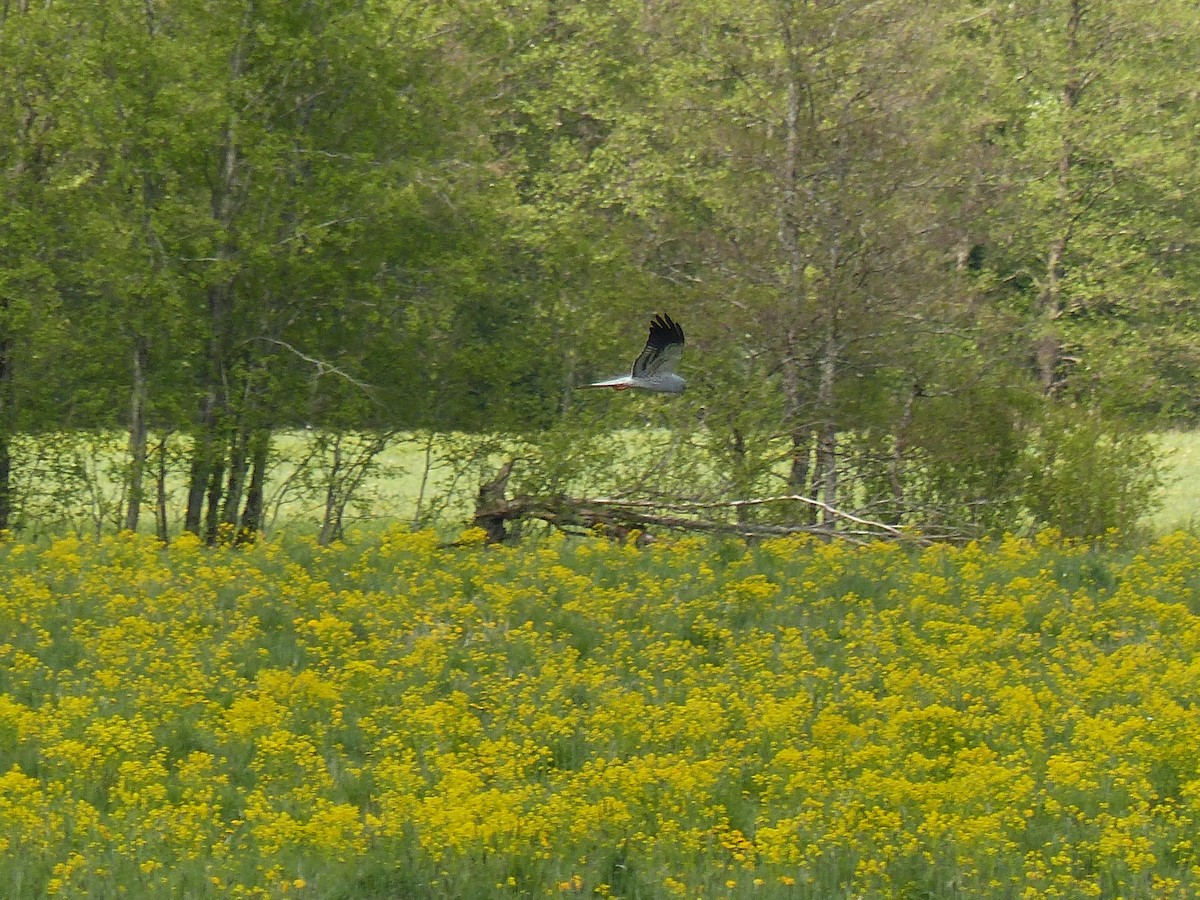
(936, 261)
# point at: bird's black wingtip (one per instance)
(665, 329)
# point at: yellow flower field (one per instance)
(580, 718)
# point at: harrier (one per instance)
(654, 369)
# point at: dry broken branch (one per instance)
(757, 501)
(494, 510)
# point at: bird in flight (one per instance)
(654, 369)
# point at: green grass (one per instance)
(1181, 499)
(85, 476)
(73, 483)
(394, 493)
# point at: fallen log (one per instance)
(619, 517)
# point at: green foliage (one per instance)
(222, 221)
(966, 451)
(1086, 478)
(68, 482)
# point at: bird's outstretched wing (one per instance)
(663, 350)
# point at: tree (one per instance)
(1091, 242)
(818, 118)
(36, 73)
(889, 229)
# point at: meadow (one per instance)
(1181, 496)
(394, 717)
(76, 482)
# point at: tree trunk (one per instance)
(828, 430)
(799, 433)
(5, 484)
(1048, 344)
(567, 313)
(330, 520)
(137, 433)
(739, 469)
(491, 506)
(618, 518)
(6, 420)
(209, 450)
(160, 484)
(239, 465)
(899, 448)
(426, 468)
(208, 453)
(203, 449)
(789, 213)
(212, 512)
(252, 514)
(241, 448)
(197, 479)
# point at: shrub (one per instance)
(1086, 476)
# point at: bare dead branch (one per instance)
(758, 501)
(580, 515)
(322, 367)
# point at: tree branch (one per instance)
(757, 501)
(579, 514)
(322, 367)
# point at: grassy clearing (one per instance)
(1181, 499)
(578, 718)
(76, 484)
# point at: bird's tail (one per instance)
(622, 381)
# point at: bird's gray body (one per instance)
(654, 369)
